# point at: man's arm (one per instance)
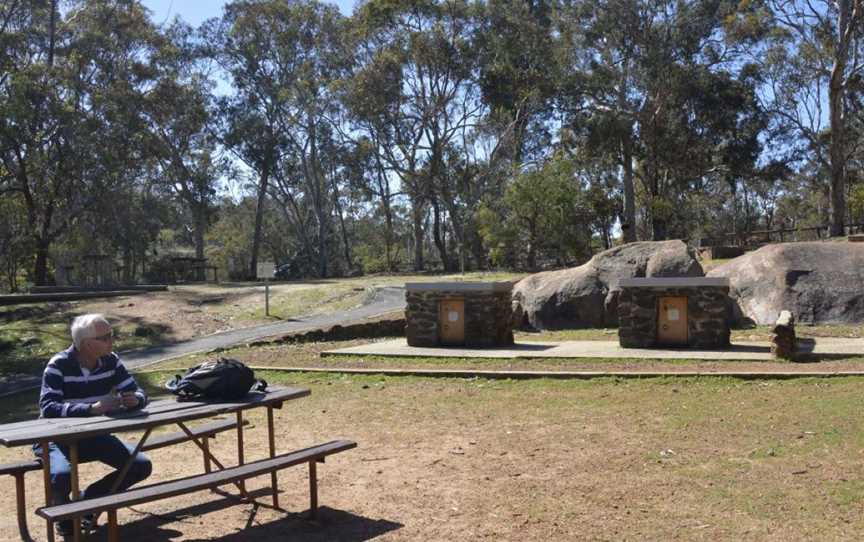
(127, 386)
(52, 403)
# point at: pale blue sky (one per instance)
(195, 12)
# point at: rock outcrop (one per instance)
(820, 282)
(586, 296)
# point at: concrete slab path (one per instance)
(743, 351)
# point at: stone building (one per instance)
(685, 311)
(458, 314)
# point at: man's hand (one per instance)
(104, 405)
(129, 400)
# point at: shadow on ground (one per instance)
(331, 525)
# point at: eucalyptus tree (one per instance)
(71, 82)
(416, 94)
(518, 72)
(545, 211)
(281, 57)
(657, 85)
(14, 241)
(813, 62)
(183, 149)
(311, 58)
(251, 125)
(368, 177)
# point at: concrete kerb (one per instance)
(528, 375)
(576, 375)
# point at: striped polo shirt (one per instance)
(68, 389)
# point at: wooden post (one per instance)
(240, 460)
(76, 492)
(313, 490)
(113, 531)
(21, 503)
(274, 482)
(46, 476)
(205, 442)
(122, 474)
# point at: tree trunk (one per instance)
(384, 193)
(439, 236)
(346, 246)
(323, 254)
(259, 219)
(837, 144)
(628, 225)
(200, 227)
(659, 229)
(41, 268)
(417, 211)
(128, 265)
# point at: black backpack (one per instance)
(222, 378)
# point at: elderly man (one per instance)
(88, 379)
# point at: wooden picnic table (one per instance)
(162, 412)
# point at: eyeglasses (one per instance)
(104, 338)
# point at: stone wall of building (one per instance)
(708, 312)
(488, 316)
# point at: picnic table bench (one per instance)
(157, 413)
(18, 469)
(191, 484)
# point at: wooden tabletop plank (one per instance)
(161, 405)
(163, 412)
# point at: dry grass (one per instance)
(446, 459)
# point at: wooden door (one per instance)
(451, 321)
(672, 320)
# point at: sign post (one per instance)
(266, 271)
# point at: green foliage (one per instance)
(374, 139)
(856, 204)
(229, 240)
(544, 213)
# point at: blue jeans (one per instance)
(105, 448)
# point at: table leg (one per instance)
(205, 444)
(240, 459)
(274, 482)
(113, 535)
(76, 490)
(46, 475)
(206, 449)
(21, 505)
(128, 464)
(313, 490)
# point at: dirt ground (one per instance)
(467, 460)
(182, 313)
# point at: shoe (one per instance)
(64, 529)
(89, 523)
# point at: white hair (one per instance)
(83, 326)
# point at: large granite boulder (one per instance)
(820, 282)
(586, 296)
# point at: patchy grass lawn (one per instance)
(474, 459)
(30, 334)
